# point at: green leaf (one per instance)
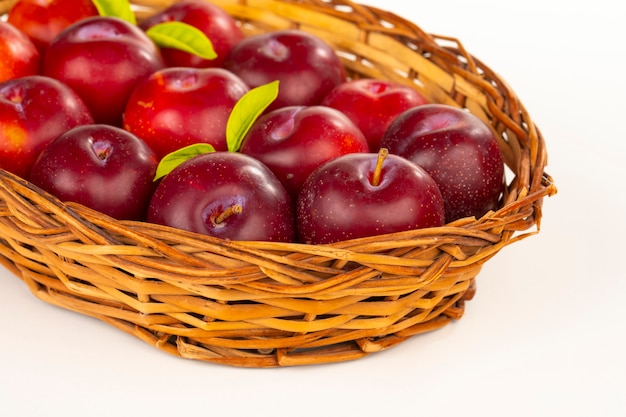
(173, 159)
(246, 111)
(182, 36)
(116, 8)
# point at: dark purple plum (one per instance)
(226, 195)
(366, 194)
(99, 166)
(458, 150)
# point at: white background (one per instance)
(544, 336)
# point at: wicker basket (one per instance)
(258, 304)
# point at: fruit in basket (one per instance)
(102, 59)
(33, 111)
(218, 26)
(372, 104)
(306, 66)
(366, 194)
(227, 195)
(294, 140)
(458, 150)
(176, 107)
(18, 54)
(100, 166)
(42, 21)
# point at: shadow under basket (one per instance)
(260, 304)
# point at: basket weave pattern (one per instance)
(261, 304)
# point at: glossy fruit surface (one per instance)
(227, 195)
(102, 59)
(307, 67)
(343, 199)
(373, 104)
(43, 20)
(18, 55)
(292, 141)
(458, 150)
(100, 166)
(33, 111)
(176, 107)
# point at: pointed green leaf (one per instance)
(182, 36)
(173, 159)
(246, 111)
(116, 8)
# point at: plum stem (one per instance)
(382, 154)
(102, 150)
(234, 209)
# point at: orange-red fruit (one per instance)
(42, 20)
(18, 54)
